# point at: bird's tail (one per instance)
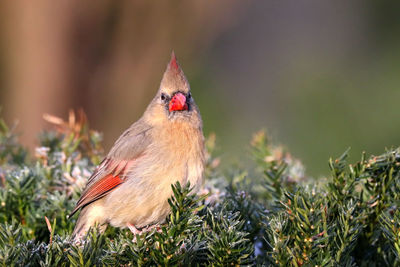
(85, 221)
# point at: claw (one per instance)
(158, 228)
(148, 228)
(134, 231)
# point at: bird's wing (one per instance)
(112, 171)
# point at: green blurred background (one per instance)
(321, 76)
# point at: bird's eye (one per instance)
(163, 97)
(189, 95)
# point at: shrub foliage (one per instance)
(271, 214)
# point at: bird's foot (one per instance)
(154, 226)
(78, 240)
(148, 228)
(134, 231)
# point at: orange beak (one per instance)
(178, 103)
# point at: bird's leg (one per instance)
(133, 229)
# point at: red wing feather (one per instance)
(97, 189)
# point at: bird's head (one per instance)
(174, 100)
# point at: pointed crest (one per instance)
(174, 79)
(173, 63)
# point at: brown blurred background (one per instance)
(320, 76)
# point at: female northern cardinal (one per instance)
(131, 186)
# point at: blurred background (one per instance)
(320, 76)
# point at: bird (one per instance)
(131, 186)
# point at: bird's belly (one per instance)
(144, 201)
(138, 213)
